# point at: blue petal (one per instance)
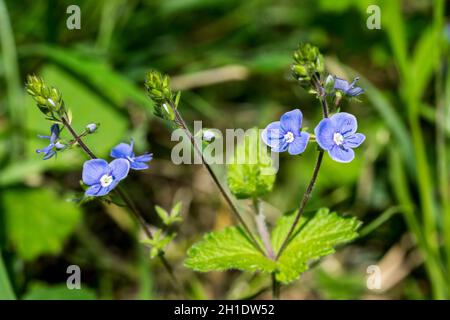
(340, 154)
(345, 123)
(356, 91)
(272, 134)
(54, 130)
(93, 190)
(49, 154)
(110, 187)
(93, 170)
(281, 147)
(46, 149)
(144, 158)
(292, 121)
(324, 132)
(122, 150)
(136, 165)
(354, 140)
(299, 144)
(341, 84)
(119, 169)
(40, 136)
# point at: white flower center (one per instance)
(289, 137)
(338, 138)
(130, 159)
(106, 180)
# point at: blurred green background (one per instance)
(231, 60)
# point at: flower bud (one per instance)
(48, 99)
(91, 127)
(158, 89)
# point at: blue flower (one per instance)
(50, 150)
(125, 151)
(338, 136)
(102, 177)
(286, 134)
(348, 89)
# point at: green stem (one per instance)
(275, 288)
(6, 291)
(180, 121)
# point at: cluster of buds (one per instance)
(48, 99)
(308, 62)
(158, 89)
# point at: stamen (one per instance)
(289, 137)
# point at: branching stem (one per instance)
(122, 193)
(312, 182)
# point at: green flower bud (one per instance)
(48, 99)
(158, 89)
(307, 62)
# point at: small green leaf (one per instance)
(251, 174)
(315, 236)
(173, 217)
(176, 209)
(159, 242)
(227, 249)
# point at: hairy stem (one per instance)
(179, 119)
(137, 214)
(312, 182)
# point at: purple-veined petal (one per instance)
(272, 134)
(122, 150)
(144, 158)
(93, 170)
(119, 169)
(281, 147)
(49, 154)
(111, 186)
(354, 140)
(136, 165)
(340, 154)
(344, 123)
(292, 121)
(341, 84)
(46, 149)
(356, 91)
(324, 132)
(93, 190)
(299, 144)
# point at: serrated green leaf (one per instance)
(38, 221)
(250, 175)
(315, 236)
(227, 249)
